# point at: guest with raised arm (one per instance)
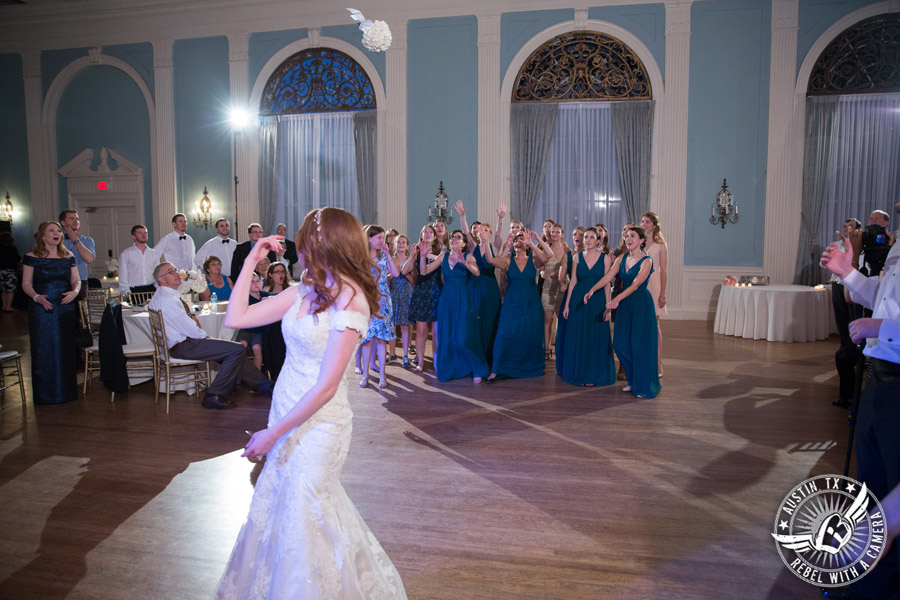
(635, 334)
(658, 251)
(587, 358)
(401, 294)
(381, 325)
(519, 346)
(425, 296)
(460, 351)
(81, 246)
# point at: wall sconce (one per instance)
(6, 210)
(202, 214)
(440, 212)
(724, 209)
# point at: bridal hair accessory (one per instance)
(318, 219)
(376, 34)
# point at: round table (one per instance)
(777, 313)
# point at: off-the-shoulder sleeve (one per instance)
(349, 319)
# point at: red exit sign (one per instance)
(101, 185)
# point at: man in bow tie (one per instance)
(178, 247)
(221, 246)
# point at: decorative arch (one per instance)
(51, 106)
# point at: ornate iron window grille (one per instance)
(317, 80)
(863, 59)
(579, 66)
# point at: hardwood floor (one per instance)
(527, 489)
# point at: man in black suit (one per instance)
(243, 251)
(290, 248)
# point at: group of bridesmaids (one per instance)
(491, 305)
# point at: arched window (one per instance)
(569, 124)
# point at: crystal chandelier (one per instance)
(724, 209)
(441, 209)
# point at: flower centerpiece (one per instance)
(112, 267)
(376, 34)
(192, 282)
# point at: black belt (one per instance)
(886, 370)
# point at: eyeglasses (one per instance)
(456, 237)
(172, 272)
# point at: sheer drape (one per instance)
(581, 185)
(633, 129)
(316, 166)
(268, 157)
(364, 136)
(531, 129)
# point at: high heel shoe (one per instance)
(382, 382)
(364, 382)
(420, 369)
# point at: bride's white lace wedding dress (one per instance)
(303, 538)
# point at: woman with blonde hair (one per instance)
(50, 278)
(658, 251)
(303, 535)
(216, 281)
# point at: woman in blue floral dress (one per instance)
(381, 326)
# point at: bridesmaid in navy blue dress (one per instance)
(588, 353)
(460, 352)
(519, 346)
(636, 335)
(578, 243)
(50, 278)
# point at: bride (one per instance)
(303, 537)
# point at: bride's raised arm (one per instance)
(240, 315)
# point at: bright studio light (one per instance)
(238, 117)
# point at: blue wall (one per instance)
(54, 61)
(14, 176)
(202, 132)
(442, 83)
(103, 106)
(647, 22)
(815, 16)
(727, 129)
(264, 46)
(138, 56)
(517, 28)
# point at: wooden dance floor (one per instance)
(527, 489)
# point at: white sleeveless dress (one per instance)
(304, 537)
(655, 285)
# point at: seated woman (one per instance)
(252, 337)
(215, 280)
(262, 267)
(277, 279)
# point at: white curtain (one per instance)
(865, 165)
(315, 166)
(581, 185)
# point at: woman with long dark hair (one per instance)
(424, 301)
(381, 325)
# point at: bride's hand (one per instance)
(264, 246)
(259, 445)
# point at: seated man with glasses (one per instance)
(187, 340)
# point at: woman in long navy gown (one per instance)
(635, 339)
(587, 358)
(519, 346)
(460, 352)
(578, 243)
(50, 278)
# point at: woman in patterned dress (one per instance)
(553, 274)
(424, 301)
(381, 326)
(401, 293)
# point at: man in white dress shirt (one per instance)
(178, 247)
(187, 340)
(136, 264)
(221, 246)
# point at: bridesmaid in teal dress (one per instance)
(50, 278)
(519, 346)
(561, 320)
(587, 358)
(636, 335)
(460, 352)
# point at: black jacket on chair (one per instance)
(113, 372)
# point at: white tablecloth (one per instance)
(777, 313)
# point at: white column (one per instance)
(784, 162)
(165, 194)
(392, 163)
(672, 126)
(41, 179)
(248, 198)
(489, 146)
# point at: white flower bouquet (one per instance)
(376, 34)
(192, 281)
(112, 267)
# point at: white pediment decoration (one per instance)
(80, 166)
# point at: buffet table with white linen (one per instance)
(777, 313)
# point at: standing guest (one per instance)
(658, 251)
(51, 279)
(187, 340)
(220, 245)
(518, 348)
(303, 537)
(216, 281)
(424, 301)
(290, 248)
(251, 337)
(460, 352)
(136, 264)
(81, 246)
(390, 236)
(440, 230)
(636, 337)
(401, 293)
(177, 247)
(277, 279)
(588, 355)
(9, 270)
(847, 356)
(484, 287)
(381, 325)
(561, 321)
(553, 274)
(617, 285)
(254, 231)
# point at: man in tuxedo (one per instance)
(290, 248)
(243, 251)
(221, 246)
(178, 247)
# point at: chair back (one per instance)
(139, 298)
(84, 315)
(96, 300)
(158, 331)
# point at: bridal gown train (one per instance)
(303, 537)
